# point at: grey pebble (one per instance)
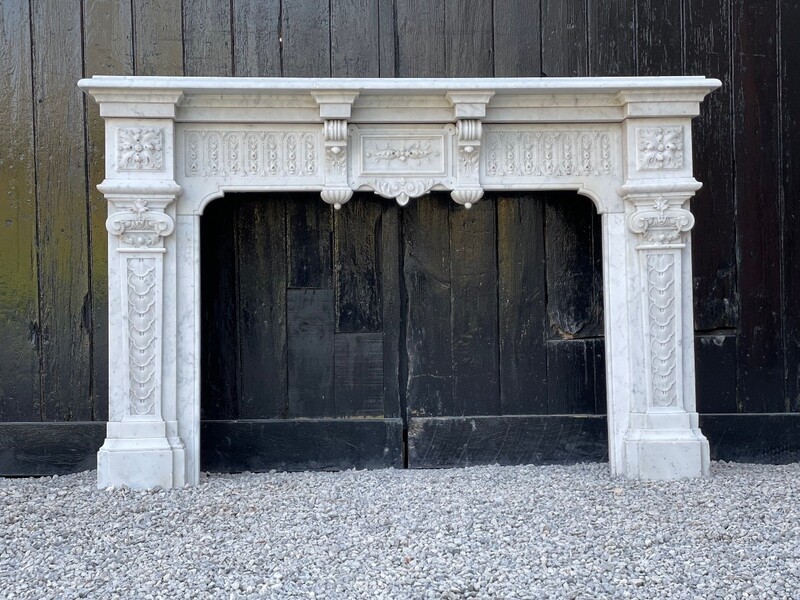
(481, 532)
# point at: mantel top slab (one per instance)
(690, 86)
(264, 99)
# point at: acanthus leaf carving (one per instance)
(140, 149)
(252, 153)
(140, 227)
(661, 299)
(142, 339)
(662, 224)
(401, 189)
(549, 153)
(659, 147)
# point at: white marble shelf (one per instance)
(174, 144)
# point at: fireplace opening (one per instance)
(384, 336)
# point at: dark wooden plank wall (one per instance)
(549, 322)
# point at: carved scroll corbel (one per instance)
(336, 190)
(468, 188)
(469, 107)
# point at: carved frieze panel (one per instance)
(401, 163)
(290, 153)
(548, 153)
(140, 149)
(659, 148)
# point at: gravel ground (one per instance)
(482, 532)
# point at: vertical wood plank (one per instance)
(357, 267)
(420, 50)
(758, 207)
(790, 131)
(387, 37)
(517, 38)
(611, 35)
(659, 39)
(564, 38)
(19, 307)
(207, 44)
(358, 376)
(62, 213)
(715, 364)
(306, 38)
(574, 291)
(391, 301)
(473, 272)
(355, 45)
(256, 38)
(571, 377)
(311, 353)
(523, 315)
(219, 344)
(309, 227)
(426, 276)
(468, 38)
(158, 37)
(473, 240)
(708, 51)
(261, 305)
(108, 50)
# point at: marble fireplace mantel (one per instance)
(174, 144)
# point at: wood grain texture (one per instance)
(60, 163)
(611, 33)
(207, 43)
(261, 305)
(391, 301)
(420, 38)
(357, 266)
(517, 38)
(790, 143)
(256, 38)
(386, 38)
(474, 312)
(355, 38)
(715, 364)
(309, 227)
(158, 35)
(310, 318)
(574, 284)
(509, 440)
(305, 27)
(37, 449)
(428, 333)
(19, 291)
(301, 445)
(708, 51)
(760, 360)
(564, 38)
(570, 377)
(522, 311)
(107, 50)
(358, 374)
(659, 37)
(219, 393)
(772, 439)
(468, 38)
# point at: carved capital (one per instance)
(660, 223)
(140, 227)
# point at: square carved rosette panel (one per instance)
(173, 144)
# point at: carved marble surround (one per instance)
(174, 144)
